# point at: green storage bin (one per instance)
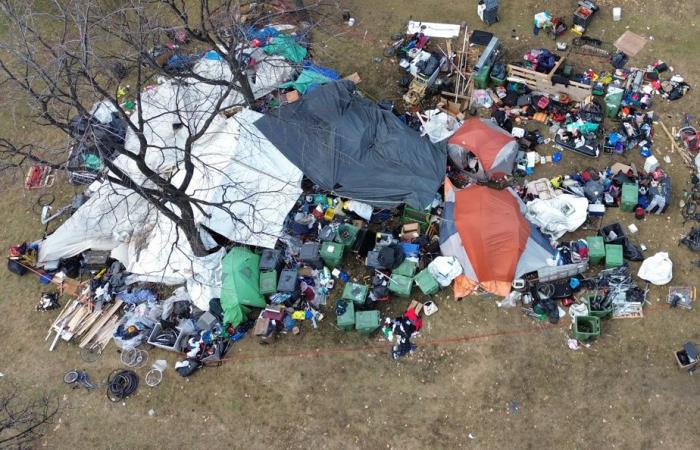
(586, 328)
(629, 197)
(481, 78)
(596, 249)
(613, 99)
(413, 215)
(346, 234)
(367, 321)
(355, 292)
(406, 268)
(426, 282)
(599, 313)
(346, 321)
(613, 256)
(332, 253)
(400, 285)
(268, 282)
(495, 81)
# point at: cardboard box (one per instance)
(261, 326)
(354, 77)
(291, 96)
(410, 231)
(416, 305)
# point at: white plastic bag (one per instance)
(445, 269)
(657, 269)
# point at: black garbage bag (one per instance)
(391, 256)
(692, 239)
(190, 367)
(631, 252)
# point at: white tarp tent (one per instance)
(559, 215)
(249, 187)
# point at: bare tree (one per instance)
(24, 419)
(66, 55)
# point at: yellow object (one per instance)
(299, 315)
(121, 93)
(330, 214)
(556, 181)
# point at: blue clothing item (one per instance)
(212, 55)
(325, 71)
(262, 35)
(137, 297)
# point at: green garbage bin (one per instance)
(426, 282)
(367, 321)
(599, 313)
(596, 249)
(629, 197)
(357, 293)
(481, 78)
(406, 268)
(613, 256)
(346, 321)
(268, 282)
(400, 285)
(586, 328)
(613, 99)
(346, 234)
(332, 253)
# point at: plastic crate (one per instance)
(268, 282)
(332, 253)
(400, 285)
(346, 234)
(617, 230)
(177, 346)
(270, 259)
(406, 268)
(613, 256)
(310, 254)
(355, 292)
(586, 328)
(629, 197)
(413, 215)
(599, 313)
(481, 78)
(367, 321)
(596, 249)
(287, 281)
(426, 282)
(346, 321)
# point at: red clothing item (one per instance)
(413, 317)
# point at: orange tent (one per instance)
(494, 147)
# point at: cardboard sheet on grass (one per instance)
(240, 284)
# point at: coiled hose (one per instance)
(121, 383)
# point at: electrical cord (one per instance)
(121, 383)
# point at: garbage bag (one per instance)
(187, 367)
(631, 252)
(445, 269)
(657, 269)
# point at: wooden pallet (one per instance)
(542, 82)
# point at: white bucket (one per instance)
(617, 14)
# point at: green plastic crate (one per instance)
(367, 321)
(268, 282)
(599, 313)
(355, 292)
(613, 256)
(346, 321)
(596, 249)
(586, 328)
(629, 197)
(400, 285)
(481, 78)
(426, 282)
(413, 215)
(332, 253)
(346, 234)
(406, 268)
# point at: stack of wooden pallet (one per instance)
(79, 319)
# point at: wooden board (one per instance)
(630, 43)
(541, 82)
(100, 323)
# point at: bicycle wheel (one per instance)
(71, 377)
(154, 377)
(91, 353)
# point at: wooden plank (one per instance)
(88, 323)
(100, 323)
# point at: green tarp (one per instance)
(306, 78)
(287, 47)
(240, 284)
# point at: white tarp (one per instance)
(558, 215)
(438, 30)
(657, 269)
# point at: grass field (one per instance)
(482, 378)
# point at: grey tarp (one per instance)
(348, 145)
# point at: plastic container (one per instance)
(596, 249)
(616, 14)
(270, 259)
(367, 321)
(599, 313)
(400, 285)
(586, 328)
(406, 268)
(481, 78)
(613, 255)
(372, 260)
(268, 282)
(355, 292)
(346, 234)
(629, 197)
(613, 234)
(332, 253)
(414, 215)
(310, 254)
(177, 346)
(613, 99)
(287, 281)
(346, 321)
(426, 282)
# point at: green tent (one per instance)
(287, 47)
(305, 80)
(240, 284)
